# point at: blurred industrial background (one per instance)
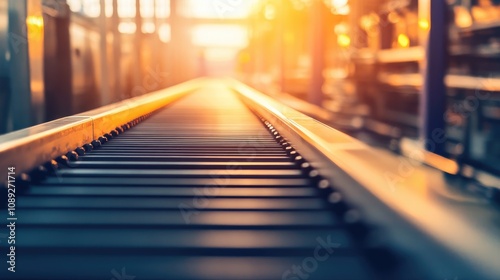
(387, 72)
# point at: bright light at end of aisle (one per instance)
(222, 9)
(338, 7)
(219, 35)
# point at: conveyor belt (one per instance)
(208, 188)
(200, 190)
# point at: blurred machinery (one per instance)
(400, 76)
(70, 56)
(473, 107)
(21, 64)
(388, 77)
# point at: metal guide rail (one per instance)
(223, 183)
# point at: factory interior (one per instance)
(250, 139)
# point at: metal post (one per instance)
(103, 30)
(117, 51)
(20, 114)
(178, 56)
(138, 45)
(255, 48)
(174, 22)
(281, 44)
(4, 67)
(433, 97)
(57, 70)
(157, 55)
(317, 53)
(251, 47)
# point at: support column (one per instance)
(317, 52)
(282, 12)
(57, 70)
(174, 42)
(4, 67)
(103, 32)
(117, 51)
(138, 46)
(433, 97)
(157, 57)
(20, 113)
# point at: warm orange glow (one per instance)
(299, 4)
(403, 41)
(344, 40)
(485, 11)
(463, 18)
(370, 23)
(270, 12)
(148, 27)
(217, 54)
(244, 57)
(393, 17)
(289, 38)
(341, 28)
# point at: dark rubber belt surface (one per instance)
(200, 190)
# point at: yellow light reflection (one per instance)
(424, 24)
(344, 40)
(34, 21)
(34, 25)
(403, 41)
